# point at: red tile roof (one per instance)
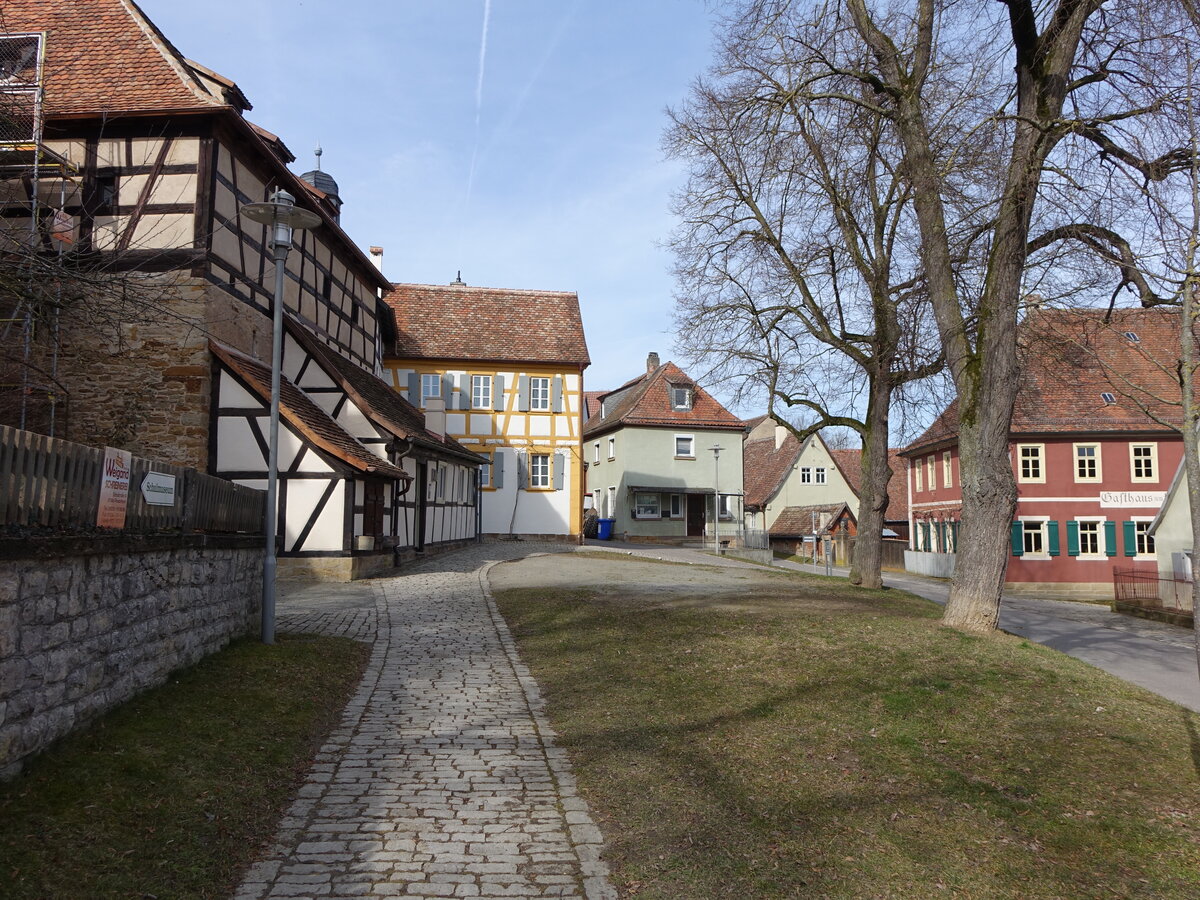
(1070, 357)
(764, 467)
(646, 400)
(105, 56)
(793, 521)
(381, 403)
(591, 403)
(305, 416)
(458, 321)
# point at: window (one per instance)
(726, 506)
(539, 470)
(685, 446)
(920, 481)
(677, 506)
(431, 386)
(1143, 461)
(539, 394)
(1034, 538)
(681, 398)
(947, 470)
(645, 506)
(612, 448)
(1108, 398)
(485, 474)
(931, 472)
(481, 392)
(1089, 539)
(1087, 462)
(1030, 466)
(611, 503)
(819, 475)
(1143, 539)
(806, 474)
(596, 453)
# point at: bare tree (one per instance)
(795, 264)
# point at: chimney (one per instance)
(781, 434)
(377, 257)
(435, 416)
(651, 363)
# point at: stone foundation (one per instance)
(88, 622)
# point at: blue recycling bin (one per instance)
(604, 529)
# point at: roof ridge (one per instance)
(170, 53)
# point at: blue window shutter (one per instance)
(1052, 529)
(1017, 533)
(523, 393)
(1110, 538)
(560, 464)
(558, 394)
(498, 393)
(498, 470)
(1072, 538)
(522, 471)
(1130, 538)
(414, 388)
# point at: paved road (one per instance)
(1153, 655)
(443, 779)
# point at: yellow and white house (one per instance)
(507, 365)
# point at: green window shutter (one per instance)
(1130, 539)
(1017, 533)
(954, 534)
(1072, 538)
(498, 394)
(523, 393)
(1110, 538)
(1052, 530)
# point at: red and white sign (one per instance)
(114, 488)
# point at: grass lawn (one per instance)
(173, 794)
(806, 739)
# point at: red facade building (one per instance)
(1092, 446)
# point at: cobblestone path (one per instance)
(442, 780)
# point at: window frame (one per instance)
(612, 448)
(691, 439)
(1040, 528)
(596, 453)
(540, 393)
(1143, 538)
(1101, 542)
(686, 393)
(1040, 477)
(931, 471)
(1095, 459)
(545, 476)
(919, 469)
(725, 507)
(677, 501)
(806, 475)
(947, 469)
(1151, 458)
(642, 507)
(819, 475)
(486, 481)
(432, 379)
(489, 381)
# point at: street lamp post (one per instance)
(281, 213)
(716, 452)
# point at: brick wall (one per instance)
(87, 623)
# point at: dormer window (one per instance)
(681, 398)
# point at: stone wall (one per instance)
(88, 622)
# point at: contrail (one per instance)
(487, 15)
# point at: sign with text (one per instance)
(1154, 499)
(114, 488)
(158, 489)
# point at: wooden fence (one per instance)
(54, 483)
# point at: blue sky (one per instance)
(544, 172)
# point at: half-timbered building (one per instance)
(136, 173)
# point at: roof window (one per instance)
(681, 397)
(1107, 397)
(1132, 337)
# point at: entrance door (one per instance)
(695, 514)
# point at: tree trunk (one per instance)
(873, 495)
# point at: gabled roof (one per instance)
(105, 56)
(849, 463)
(646, 400)
(382, 404)
(798, 520)
(1069, 358)
(305, 416)
(591, 403)
(459, 321)
(765, 467)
